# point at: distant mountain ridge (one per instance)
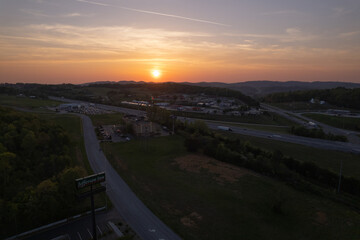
(262, 88)
(258, 88)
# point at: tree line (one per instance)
(341, 97)
(198, 138)
(37, 172)
(316, 133)
(81, 93)
(173, 88)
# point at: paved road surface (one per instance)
(131, 209)
(312, 142)
(300, 119)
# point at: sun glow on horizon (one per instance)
(156, 73)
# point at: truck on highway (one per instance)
(224, 128)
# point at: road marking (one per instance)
(152, 230)
(99, 230)
(79, 235)
(89, 233)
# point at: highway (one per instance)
(300, 119)
(131, 209)
(312, 142)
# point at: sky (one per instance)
(79, 41)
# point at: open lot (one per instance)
(201, 198)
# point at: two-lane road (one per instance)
(131, 209)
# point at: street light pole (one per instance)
(93, 213)
(173, 127)
(341, 162)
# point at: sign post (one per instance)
(91, 181)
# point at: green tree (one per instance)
(28, 143)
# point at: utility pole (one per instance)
(93, 213)
(91, 181)
(173, 127)
(341, 162)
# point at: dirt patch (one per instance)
(191, 219)
(195, 215)
(321, 218)
(223, 172)
(186, 221)
(171, 209)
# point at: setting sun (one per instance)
(156, 73)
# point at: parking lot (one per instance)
(83, 108)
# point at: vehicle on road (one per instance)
(224, 128)
(274, 136)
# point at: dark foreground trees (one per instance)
(36, 172)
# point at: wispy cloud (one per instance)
(340, 11)
(156, 13)
(96, 42)
(281, 12)
(34, 12)
(75, 14)
(289, 35)
(349, 34)
(107, 44)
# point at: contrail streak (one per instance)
(155, 13)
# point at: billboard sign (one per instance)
(90, 180)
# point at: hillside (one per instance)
(255, 88)
(262, 88)
(340, 97)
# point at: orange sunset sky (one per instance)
(78, 41)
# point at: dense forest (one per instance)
(36, 171)
(341, 97)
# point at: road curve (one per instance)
(131, 209)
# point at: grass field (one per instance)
(25, 102)
(323, 158)
(295, 106)
(201, 198)
(335, 121)
(271, 119)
